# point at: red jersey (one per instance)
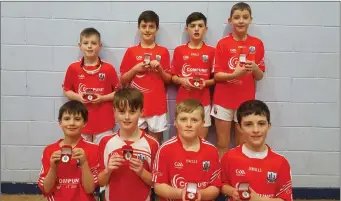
(105, 81)
(124, 184)
(176, 167)
(149, 83)
(68, 186)
(189, 62)
(269, 177)
(232, 93)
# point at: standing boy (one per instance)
(239, 62)
(146, 67)
(92, 81)
(191, 67)
(126, 157)
(254, 163)
(186, 159)
(70, 166)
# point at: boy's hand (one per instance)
(254, 196)
(235, 195)
(55, 158)
(98, 99)
(239, 71)
(79, 154)
(81, 99)
(183, 194)
(115, 162)
(141, 67)
(184, 81)
(200, 87)
(154, 64)
(250, 66)
(136, 165)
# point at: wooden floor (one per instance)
(40, 198)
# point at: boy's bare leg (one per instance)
(223, 130)
(157, 136)
(204, 132)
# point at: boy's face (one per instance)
(71, 124)
(127, 118)
(188, 125)
(90, 46)
(196, 30)
(147, 30)
(255, 129)
(240, 21)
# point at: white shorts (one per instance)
(97, 137)
(155, 123)
(222, 113)
(207, 117)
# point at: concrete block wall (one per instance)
(301, 86)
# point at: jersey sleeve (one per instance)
(212, 60)
(284, 182)
(219, 59)
(175, 69)
(68, 79)
(225, 180)
(165, 61)
(44, 170)
(94, 163)
(215, 179)
(154, 149)
(101, 148)
(260, 56)
(115, 81)
(160, 169)
(126, 63)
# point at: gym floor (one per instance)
(40, 198)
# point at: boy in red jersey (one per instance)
(267, 173)
(92, 82)
(127, 175)
(238, 64)
(191, 66)
(146, 67)
(187, 159)
(72, 177)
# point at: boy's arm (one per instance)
(259, 68)
(209, 193)
(113, 163)
(210, 82)
(127, 71)
(164, 68)
(87, 177)
(130, 74)
(74, 96)
(166, 191)
(146, 176)
(88, 181)
(49, 181)
(166, 77)
(68, 86)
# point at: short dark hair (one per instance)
(149, 16)
(195, 16)
(240, 6)
(128, 96)
(89, 32)
(255, 107)
(73, 107)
